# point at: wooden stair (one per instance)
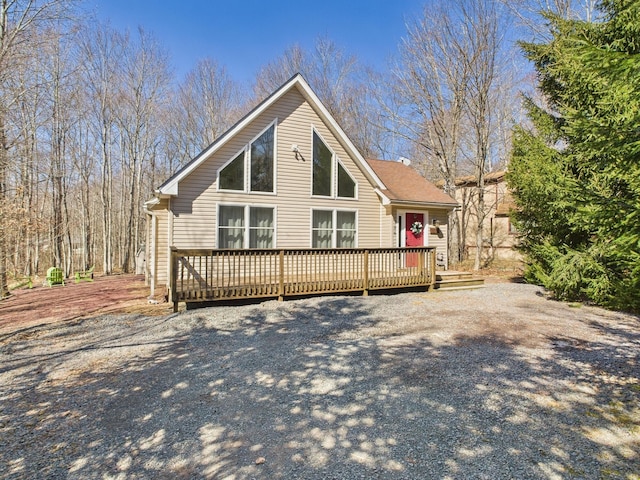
(452, 280)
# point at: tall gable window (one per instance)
(262, 162)
(325, 163)
(253, 168)
(322, 172)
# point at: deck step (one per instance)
(452, 280)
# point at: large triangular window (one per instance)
(232, 176)
(346, 184)
(253, 168)
(325, 182)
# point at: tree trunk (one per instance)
(4, 286)
(107, 204)
(480, 213)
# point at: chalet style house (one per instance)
(286, 176)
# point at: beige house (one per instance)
(287, 176)
(499, 234)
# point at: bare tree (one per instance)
(102, 48)
(527, 13)
(484, 40)
(430, 96)
(146, 80)
(62, 99)
(19, 22)
(207, 103)
(275, 73)
(341, 82)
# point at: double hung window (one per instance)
(245, 226)
(333, 229)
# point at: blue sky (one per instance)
(245, 35)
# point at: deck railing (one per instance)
(207, 275)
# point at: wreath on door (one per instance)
(416, 228)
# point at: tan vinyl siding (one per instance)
(150, 252)
(388, 227)
(439, 239)
(195, 223)
(162, 243)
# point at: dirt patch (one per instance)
(105, 295)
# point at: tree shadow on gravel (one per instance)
(297, 390)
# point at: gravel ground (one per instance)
(494, 383)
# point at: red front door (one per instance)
(414, 235)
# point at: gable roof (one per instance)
(170, 187)
(470, 180)
(403, 185)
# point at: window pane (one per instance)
(231, 216)
(322, 219)
(261, 217)
(346, 239)
(322, 226)
(231, 227)
(260, 227)
(231, 238)
(321, 167)
(262, 162)
(321, 239)
(346, 185)
(346, 230)
(232, 176)
(346, 220)
(261, 238)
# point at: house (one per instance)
(499, 234)
(287, 176)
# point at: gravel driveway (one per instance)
(494, 383)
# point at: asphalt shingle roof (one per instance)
(404, 184)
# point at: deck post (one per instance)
(174, 279)
(432, 269)
(365, 286)
(281, 277)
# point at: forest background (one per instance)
(92, 118)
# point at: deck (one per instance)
(220, 274)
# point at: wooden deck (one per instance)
(210, 275)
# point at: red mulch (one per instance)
(105, 295)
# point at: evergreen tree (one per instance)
(575, 176)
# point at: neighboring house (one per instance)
(499, 235)
(287, 176)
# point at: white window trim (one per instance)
(246, 150)
(247, 218)
(334, 224)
